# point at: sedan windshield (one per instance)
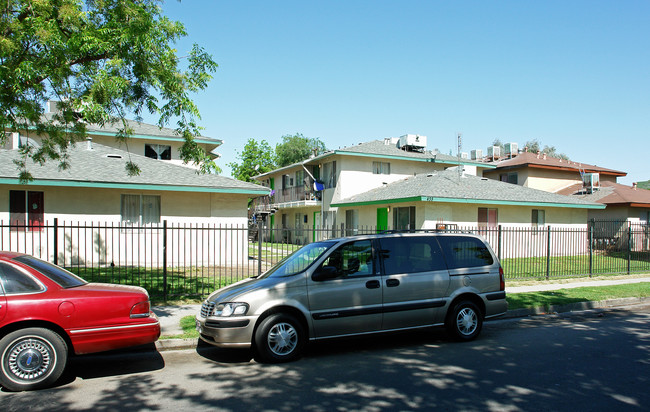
(57, 274)
(299, 260)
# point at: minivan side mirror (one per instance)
(325, 273)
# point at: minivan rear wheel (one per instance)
(465, 321)
(279, 338)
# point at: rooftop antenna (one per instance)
(460, 147)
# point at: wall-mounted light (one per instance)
(388, 209)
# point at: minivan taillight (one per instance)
(502, 279)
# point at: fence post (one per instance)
(55, 228)
(591, 247)
(548, 253)
(499, 244)
(260, 227)
(629, 245)
(165, 259)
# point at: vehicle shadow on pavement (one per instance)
(222, 355)
(126, 361)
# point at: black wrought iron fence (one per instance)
(178, 260)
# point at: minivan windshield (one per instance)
(299, 260)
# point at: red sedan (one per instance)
(47, 312)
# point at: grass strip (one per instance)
(574, 295)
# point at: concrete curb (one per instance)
(573, 307)
(181, 344)
(176, 344)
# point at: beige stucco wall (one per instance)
(88, 204)
(212, 228)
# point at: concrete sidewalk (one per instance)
(170, 316)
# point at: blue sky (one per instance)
(571, 74)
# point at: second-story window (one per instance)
(158, 151)
(329, 175)
(380, 168)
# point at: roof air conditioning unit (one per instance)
(477, 154)
(464, 155)
(413, 142)
(494, 152)
(512, 149)
(591, 181)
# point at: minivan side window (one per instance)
(463, 252)
(411, 254)
(352, 259)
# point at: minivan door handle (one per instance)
(391, 283)
(372, 284)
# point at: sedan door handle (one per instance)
(391, 283)
(372, 284)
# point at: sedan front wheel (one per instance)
(32, 358)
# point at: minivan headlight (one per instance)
(231, 309)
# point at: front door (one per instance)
(351, 302)
(382, 219)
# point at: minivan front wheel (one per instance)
(465, 321)
(279, 338)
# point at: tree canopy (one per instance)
(103, 60)
(296, 148)
(256, 158)
(550, 151)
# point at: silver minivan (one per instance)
(359, 285)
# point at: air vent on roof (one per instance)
(476, 154)
(591, 182)
(114, 156)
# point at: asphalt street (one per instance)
(596, 360)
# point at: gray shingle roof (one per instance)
(142, 129)
(104, 166)
(380, 148)
(447, 186)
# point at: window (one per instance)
(538, 218)
(158, 151)
(411, 255)
(404, 218)
(352, 222)
(352, 259)
(487, 217)
(329, 175)
(26, 208)
(380, 168)
(140, 209)
(57, 274)
(14, 281)
(463, 252)
(509, 177)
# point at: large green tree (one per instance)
(296, 148)
(256, 158)
(534, 146)
(104, 60)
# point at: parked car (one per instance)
(359, 285)
(46, 313)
